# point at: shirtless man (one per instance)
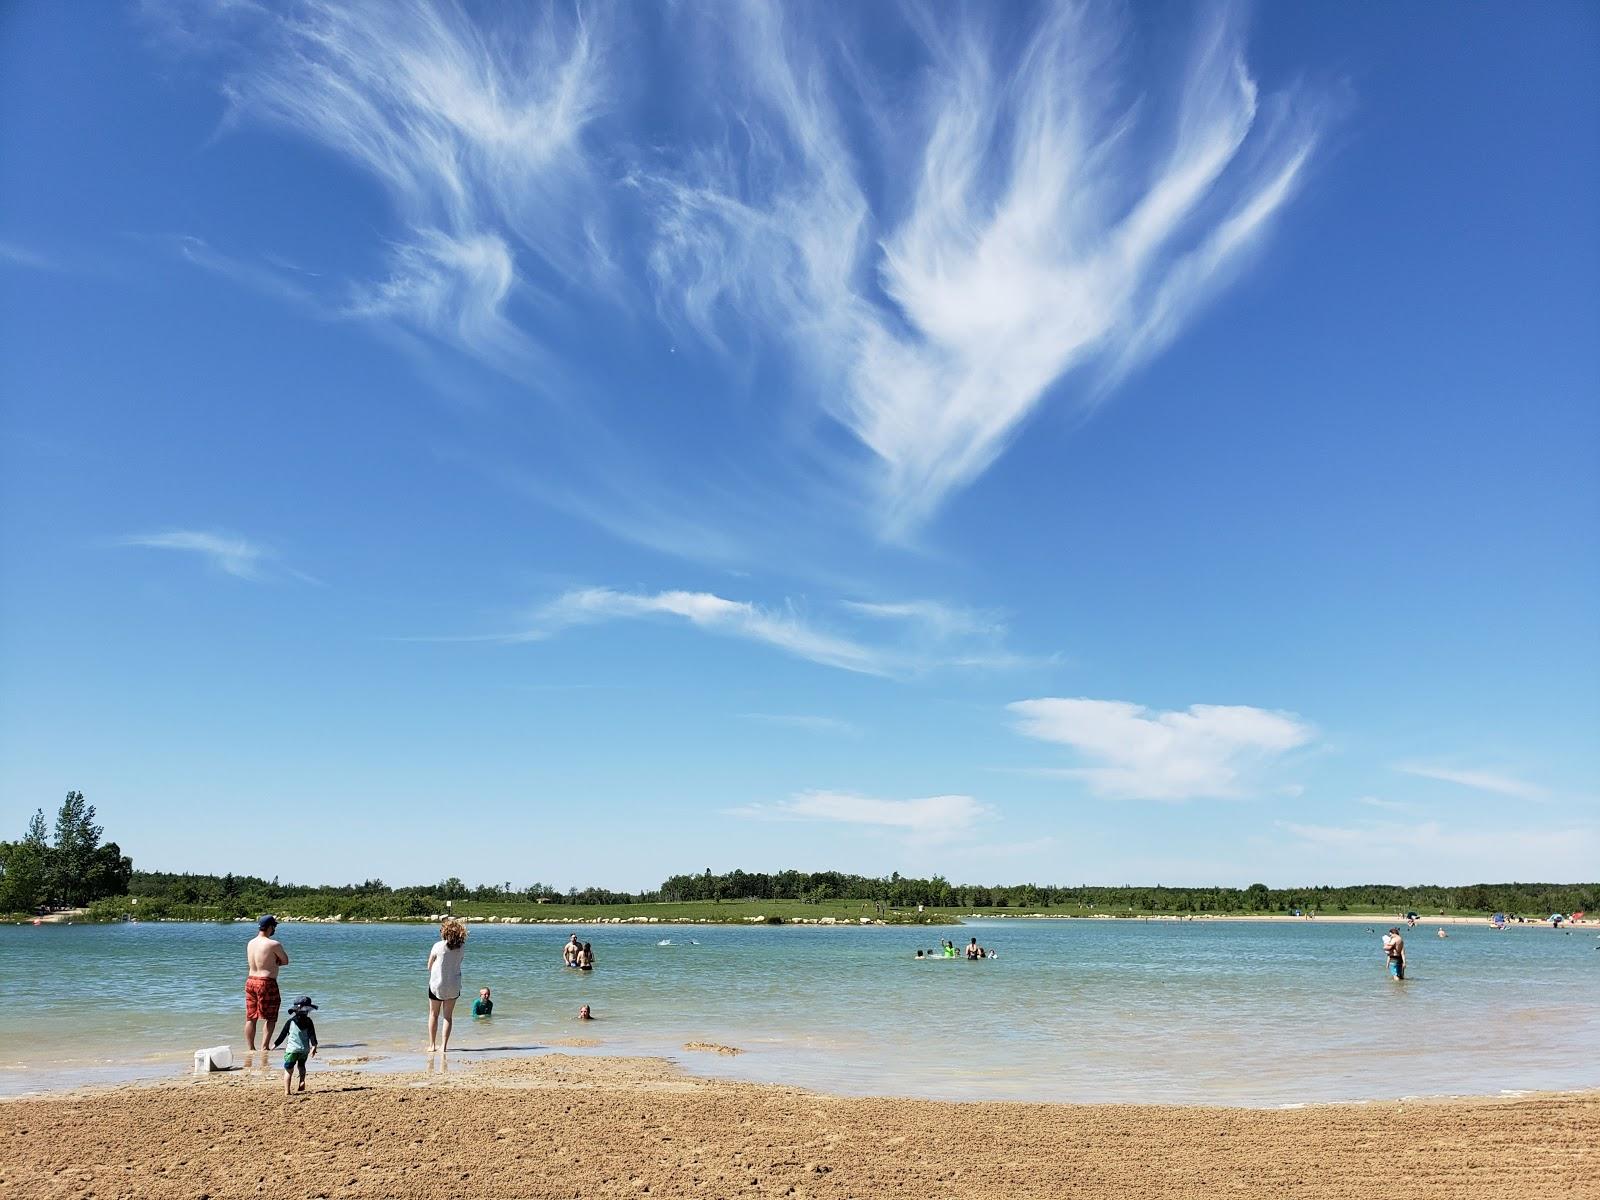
(265, 954)
(1394, 950)
(570, 952)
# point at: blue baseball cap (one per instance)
(266, 919)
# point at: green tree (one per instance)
(25, 868)
(109, 874)
(72, 858)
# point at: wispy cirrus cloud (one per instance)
(1206, 750)
(269, 277)
(472, 129)
(22, 256)
(785, 628)
(930, 818)
(1044, 231)
(929, 224)
(1483, 781)
(228, 553)
(939, 619)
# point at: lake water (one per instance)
(1174, 1012)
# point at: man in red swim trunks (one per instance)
(265, 954)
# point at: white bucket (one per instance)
(213, 1058)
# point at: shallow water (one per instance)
(1159, 1011)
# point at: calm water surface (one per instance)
(1180, 1012)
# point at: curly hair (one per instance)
(453, 932)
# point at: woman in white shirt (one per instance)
(444, 980)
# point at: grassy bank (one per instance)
(726, 912)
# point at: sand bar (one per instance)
(558, 1126)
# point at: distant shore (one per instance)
(894, 919)
(562, 1126)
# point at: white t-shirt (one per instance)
(444, 981)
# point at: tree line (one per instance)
(244, 895)
(899, 891)
(70, 869)
(74, 867)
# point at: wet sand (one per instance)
(559, 1126)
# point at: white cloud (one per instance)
(785, 629)
(228, 553)
(931, 818)
(939, 619)
(267, 277)
(1207, 750)
(1483, 781)
(935, 225)
(735, 618)
(1041, 234)
(24, 257)
(473, 132)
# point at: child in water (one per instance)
(483, 1006)
(584, 1014)
(302, 1035)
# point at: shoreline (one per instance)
(758, 922)
(633, 1126)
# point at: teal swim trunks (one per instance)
(293, 1058)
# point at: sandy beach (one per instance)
(558, 1126)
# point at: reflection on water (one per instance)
(1223, 1013)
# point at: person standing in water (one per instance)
(1394, 949)
(444, 980)
(263, 956)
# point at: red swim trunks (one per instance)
(261, 999)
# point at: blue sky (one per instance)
(1080, 444)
